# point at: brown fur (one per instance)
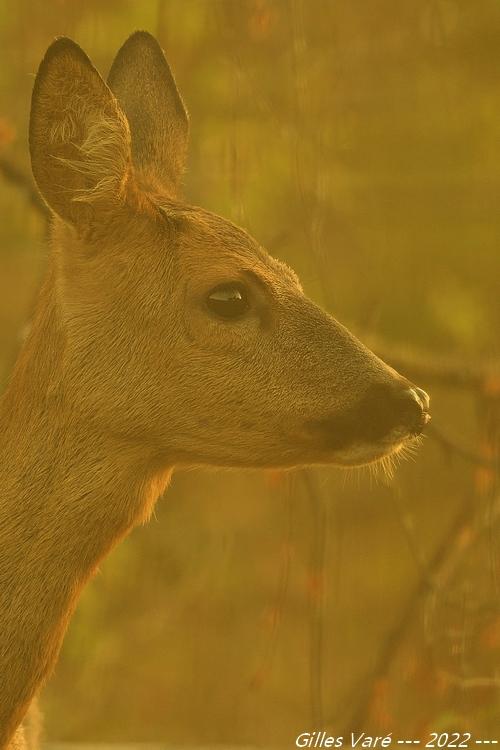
(125, 373)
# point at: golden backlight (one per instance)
(359, 143)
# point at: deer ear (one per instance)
(79, 138)
(142, 81)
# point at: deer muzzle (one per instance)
(386, 414)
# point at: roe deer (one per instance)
(164, 336)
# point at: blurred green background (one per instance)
(360, 142)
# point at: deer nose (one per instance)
(422, 396)
(387, 410)
(399, 407)
(411, 409)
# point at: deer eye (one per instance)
(228, 301)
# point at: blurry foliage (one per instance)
(359, 142)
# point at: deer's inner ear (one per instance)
(79, 138)
(142, 81)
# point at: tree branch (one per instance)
(430, 367)
(432, 578)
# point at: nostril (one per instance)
(414, 403)
(423, 397)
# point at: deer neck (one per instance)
(67, 495)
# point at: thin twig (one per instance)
(317, 606)
(444, 560)
(16, 176)
(464, 453)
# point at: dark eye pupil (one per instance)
(228, 301)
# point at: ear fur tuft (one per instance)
(79, 138)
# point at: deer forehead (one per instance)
(214, 247)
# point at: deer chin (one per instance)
(364, 454)
(357, 454)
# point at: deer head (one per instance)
(181, 332)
